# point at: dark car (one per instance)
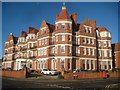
(79, 70)
(8, 68)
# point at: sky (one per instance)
(19, 16)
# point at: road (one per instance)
(82, 84)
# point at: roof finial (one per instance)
(63, 3)
(63, 7)
(10, 33)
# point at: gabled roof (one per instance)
(63, 15)
(11, 37)
(87, 22)
(102, 29)
(23, 34)
(32, 30)
(50, 26)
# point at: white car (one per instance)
(48, 72)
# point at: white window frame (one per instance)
(62, 37)
(63, 49)
(84, 49)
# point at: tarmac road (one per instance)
(81, 84)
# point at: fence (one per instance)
(85, 75)
(16, 74)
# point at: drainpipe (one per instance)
(97, 57)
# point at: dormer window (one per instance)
(63, 26)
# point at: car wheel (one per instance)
(50, 74)
(42, 73)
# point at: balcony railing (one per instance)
(32, 56)
(51, 55)
(23, 49)
(33, 47)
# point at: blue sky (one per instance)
(19, 16)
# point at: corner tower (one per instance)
(63, 40)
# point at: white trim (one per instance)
(86, 36)
(20, 59)
(7, 61)
(116, 51)
(87, 26)
(44, 37)
(103, 40)
(63, 22)
(43, 28)
(63, 44)
(88, 58)
(63, 33)
(87, 47)
(105, 49)
(105, 59)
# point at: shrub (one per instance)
(114, 69)
(60, 77)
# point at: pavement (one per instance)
(81, 84)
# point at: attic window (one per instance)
(63, 26)
(44, 30)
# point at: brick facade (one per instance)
(67, 45)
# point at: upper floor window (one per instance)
(69, 49)
(84, 51)
(78, 40)
(88, 40)
(99, 43)
(88, 51)
(110, 53)
(56, 49)
(43, 41)
(84, 40)
(56, 38)
(92, 41)
(104, 44)
(109, 44)
(44, 51)
(105, 53)
(69, 26)
(39, 52)
(63, 26)
(93, 52)
(56, 26)
(69, 37)
(62, 37)
(62, 49)
(100, 53)
(53, 50)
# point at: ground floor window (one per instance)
(62, 64)
(69, 64)
(92, 65)
(30, 64)
(83, 64)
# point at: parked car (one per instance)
(79, 70)
(48, 72)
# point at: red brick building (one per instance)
(65, 45)
(116, 55)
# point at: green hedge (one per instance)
(60, 77)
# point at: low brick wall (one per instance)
(85, 75)
(16, 74)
